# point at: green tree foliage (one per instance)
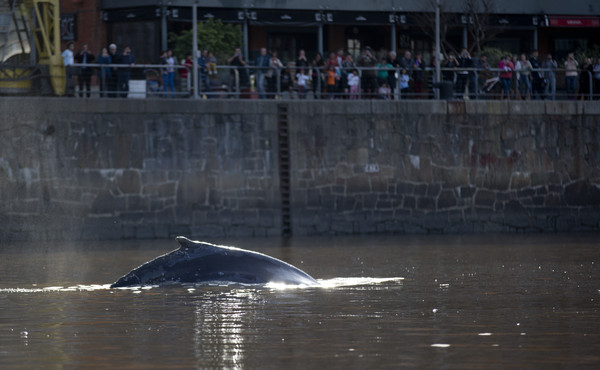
(494, 55)
(213, 35)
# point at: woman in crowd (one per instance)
(571, 76)
(506, 67)
(524, 68)
(104, 73)
(275, 68)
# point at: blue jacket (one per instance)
(262, 61)
(107, 71)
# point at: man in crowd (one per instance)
(203, 69)
(262, 66)
(124, 74)
(85, 75)
(549, 65)
(369, 80)
(537, 76)
(114, 78)
(68, 61)
(465, 75)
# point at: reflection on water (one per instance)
(439, 301)
(221, 322)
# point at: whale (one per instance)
(201, 262)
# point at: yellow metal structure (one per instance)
(15, 80)
(46, 33)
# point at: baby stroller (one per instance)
(489, 88)
(152, 82)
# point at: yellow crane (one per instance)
(46, 34)
(42, 19)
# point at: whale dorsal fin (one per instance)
(187, 243)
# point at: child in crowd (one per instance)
(404, 79)
(211, 64)
(302, 78)
(331, 78)
(384, 91)
(353, 82)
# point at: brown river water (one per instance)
(450, 302)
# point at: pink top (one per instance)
(507, 68)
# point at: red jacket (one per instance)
(507, 69)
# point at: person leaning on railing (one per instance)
(506, 67)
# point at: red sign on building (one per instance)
(567, 21)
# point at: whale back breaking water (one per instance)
(197, 262)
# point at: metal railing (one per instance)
(124, 80)
(149, 80)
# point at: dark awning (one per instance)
(285, 18)
(358, 18)
(502, 20)
(132, 14)
(269, 17)
(184, 14)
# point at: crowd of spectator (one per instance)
(113, 81)
(381, 75)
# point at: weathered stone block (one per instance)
(358, 156)
(410, 202)
(192, 188)
(582, 193)
(485, 198)
(358, 184)
(129, 182)
(446, 199)
(467, 191)
(426, 203)
(105, 202)
(520, 180)
(405, 188)
(137, 203)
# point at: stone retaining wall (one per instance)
(111, 168)
(437, 167)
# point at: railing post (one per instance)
(278, 82)
(319, 84)
(476, 83)
(591, 86)
(236, 73)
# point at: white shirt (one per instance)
(302, 79)
(353, 79)
(170, 63)
(67, 56)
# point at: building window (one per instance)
(353, 47)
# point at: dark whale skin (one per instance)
(197, 262)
